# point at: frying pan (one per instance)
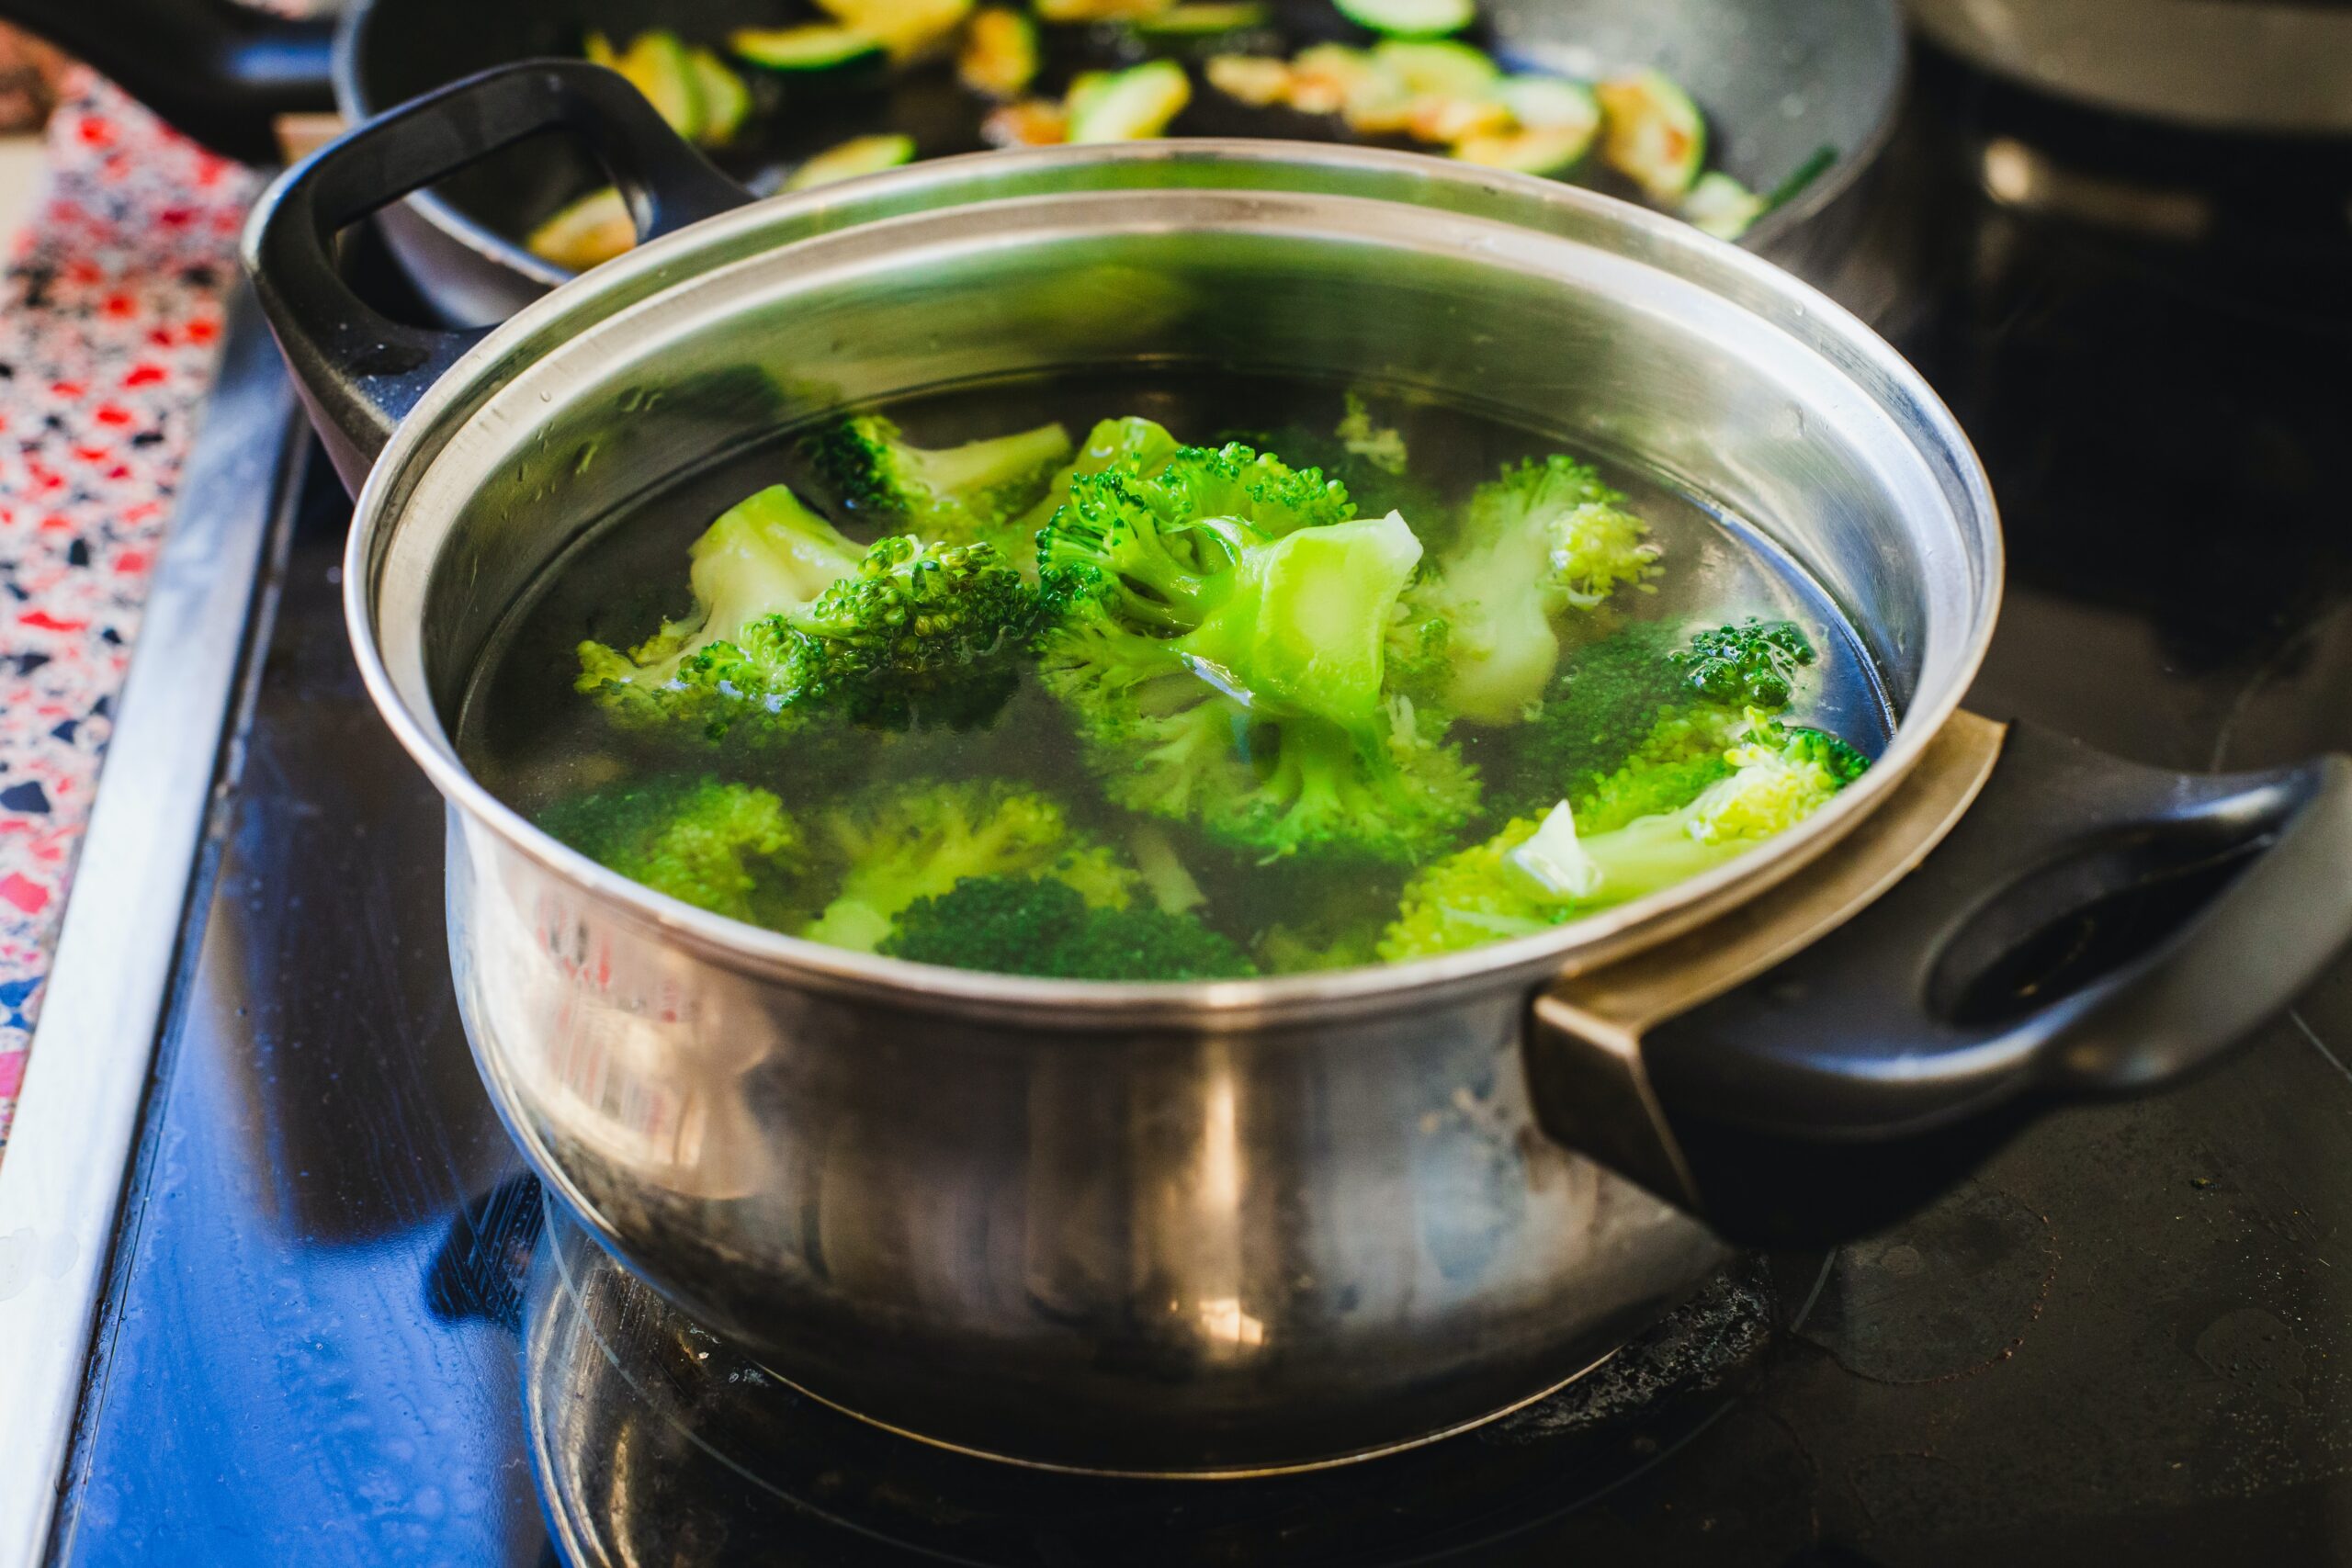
(1779, 79)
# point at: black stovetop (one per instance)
(340, 1331)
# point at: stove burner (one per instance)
(654, 1442)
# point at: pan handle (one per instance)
(2090, 925)
(219, 72)
(359, 371)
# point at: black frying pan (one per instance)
(1780, 80)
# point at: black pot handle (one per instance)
(2089, 925)
(359, 371)
(219, 72)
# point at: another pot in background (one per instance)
(1779, 78)
(2273, 67)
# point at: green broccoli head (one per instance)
(1628, 703)
(1043, 926)
(1243, 483)
(1827, 751)
(1535, 874)
(1109, 550)
(918, 634)
(1546, 539)
(1754, 663)
(1130, 446)
(768, 556)
(727, 848)
(970, 494)
(1370, 459)
(1236, 677)
(918, 840)
(1318, 789)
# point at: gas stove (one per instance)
(341, 1326)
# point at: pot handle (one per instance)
(2089, 925)
(359, 371)
(218, 73)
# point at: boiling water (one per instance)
(532, 739)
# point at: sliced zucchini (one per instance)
(1379, 107)
(1438, 68)
(1326, 78)
(1410, 18)
(726, 101)
(1000, 53)
(1027, 122)
(1130, 104)
(1205, 18)
(817, 46)
(1656, 137)
(658, 65)
(1551, 102)
(1721, 206)
(857, 156)
(1456, 119)
(1069, 11)
(1258, 80)
(1531, 150)
(906, 28)
(594, 229)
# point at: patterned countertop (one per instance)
(109, 327)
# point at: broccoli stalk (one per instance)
(1219, 631)
(970, 494)
(1045, 927)
(726, 847)
(919, 841)
(1537, 875)
(1546, 538)
(768, 556)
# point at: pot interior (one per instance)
(670, 385)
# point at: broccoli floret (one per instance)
(726, 847)
(1134, 446)
(1546, 538)
(766, 557)
(1228, 674)
(1754, 663)
(1240, 482)
(1381, 445)
(918, 634)
(1045, 927)
(918, 840)
(1322, 790)
(962, 495)
(1313, 950)
(1537, 875)
(1631, 726)
(1370, 460)
(1828, 752)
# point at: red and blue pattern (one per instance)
(109, 327)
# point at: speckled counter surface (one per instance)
(109, 326)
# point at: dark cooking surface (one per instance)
(2120, 1343)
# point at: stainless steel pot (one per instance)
(2272, 67)
(1208, 1228)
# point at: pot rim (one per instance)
(1213, 1006)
